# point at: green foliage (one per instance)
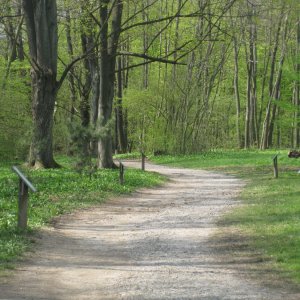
(177, 109)
(270, 216)
(59, 191)
(15, 122)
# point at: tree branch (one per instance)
(69, 67)
(151, 58)
(196, 14)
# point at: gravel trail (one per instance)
(154, 244)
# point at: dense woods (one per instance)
(91, 78)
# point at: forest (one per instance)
(99, 77)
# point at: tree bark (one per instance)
(268, 126)
(107, 63)
(119, 111)
(41, 21)
(296, 94)
(251, 136)
(266, 132)
(71, 78)
(237, 92)
(296, 101)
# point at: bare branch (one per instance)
(151, 58)
(150, 22)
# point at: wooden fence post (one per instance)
(143, 161)
(121, 175)
(22, 205)
(275, 165)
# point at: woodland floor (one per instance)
(161, 243)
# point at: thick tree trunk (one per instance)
(41, 21)
(43, 97)
(105, 150)
(107, 63)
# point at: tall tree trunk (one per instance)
(92, 75)
(19, 37)
(145, 4)
(71, 78)
(268, 126)
(43, 97)
(41, 21)
(106, 95)
(266, 133)
(236, 48)
(107, 63)
(251, 136)
(176, 41)
(296, 128)
(277, 95)
(237, 92)
(296, 94)
(248, 110)
(119, 111)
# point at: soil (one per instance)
(160, 243)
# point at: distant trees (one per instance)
(198, 111)
(173, 76)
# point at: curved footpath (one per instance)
(154, 244)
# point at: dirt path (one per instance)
(154, 244)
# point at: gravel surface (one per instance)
(154, 244)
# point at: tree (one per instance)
(214, 94)
(296, 90)
(275, 84)
(41, 22)
(109, 42)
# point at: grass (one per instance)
(270, 218)
(59, 191)
(132, 155)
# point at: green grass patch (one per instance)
(132, 155)
(59, 191)
(271, 214)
